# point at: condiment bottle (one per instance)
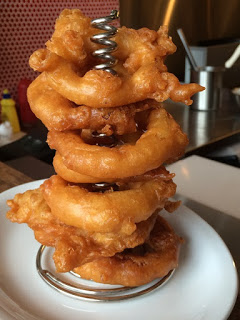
(27, 117)
(9, 112)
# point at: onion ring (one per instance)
(163, 141)
(100, 89)
(130, 268)
(117, 211)
(75, 177)
(73, 246)
(73, 30)
(142, 74)
(58, 113)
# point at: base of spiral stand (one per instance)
(94, 291)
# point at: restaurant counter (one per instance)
(207, 130)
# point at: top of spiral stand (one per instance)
(104, 39)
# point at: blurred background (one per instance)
(212, 27)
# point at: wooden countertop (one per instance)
(10, 177)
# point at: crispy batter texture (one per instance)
(75, 177)
(73, 246)
(138, 266)
(67, 64)
(117, 211)
(163, 141)
(58, 113)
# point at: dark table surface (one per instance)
(10, 177)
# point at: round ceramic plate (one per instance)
(203, 287)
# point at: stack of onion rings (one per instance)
(112, 139)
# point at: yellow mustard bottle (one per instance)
(9, 112)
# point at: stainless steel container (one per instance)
(210, 78)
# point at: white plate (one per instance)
(203, 287)
(208, 182)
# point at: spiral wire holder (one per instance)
(94, 293)
(103, 39)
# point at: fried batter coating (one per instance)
(138, 266)
(68, 61)
(116, 211)
(75, 177)
(73, 246)
(58, 113)
(163, 141)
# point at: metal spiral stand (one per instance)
(103, 39)
(93, 291)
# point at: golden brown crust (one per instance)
(67, 64)
(75, 177)
(163, 141)
(58, 113)
(116, 211)
(134, 268)
(73, 246)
